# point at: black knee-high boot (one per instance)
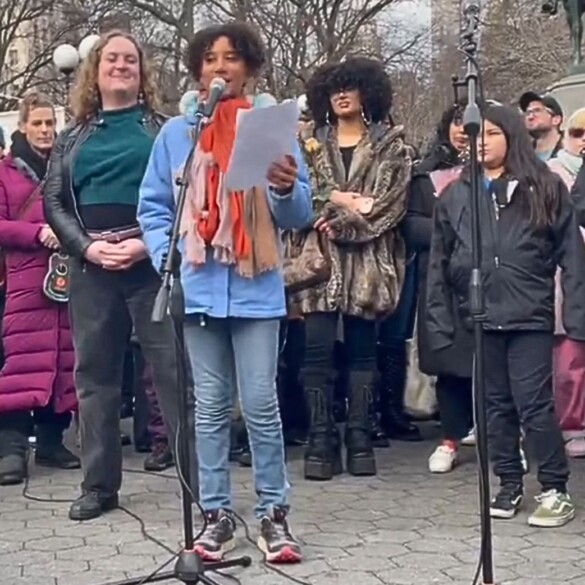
(360, 452)
(392, 366)
(323, 452)
(377, 433)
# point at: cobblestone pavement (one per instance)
(404, 527)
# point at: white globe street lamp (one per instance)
(66, 59)
(86, 45)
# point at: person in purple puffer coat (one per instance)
(37, 375)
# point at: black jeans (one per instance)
(519, 392)
(320, 335)
(455, 398)
(103, 307)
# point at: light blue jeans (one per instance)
(244, 352)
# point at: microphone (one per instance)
(216, 91)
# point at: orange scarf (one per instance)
(218, 139)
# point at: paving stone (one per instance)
(55, 568)
(431, 561)
(25, 557)
(405, 527)
(10, 547)
(54, 543)
(550, 571)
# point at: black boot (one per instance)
(15, 429)
(360, 452)
(50, 451)
(13, 450)
(377, 434)
(323, 452)
(392, 366)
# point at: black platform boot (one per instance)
(323, 452)
(392, 366)
(377, 433)
(360, 452)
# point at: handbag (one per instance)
(307, 262)
(56, 281)
(27, 204)
(420, 397)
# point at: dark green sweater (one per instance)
(109, 167)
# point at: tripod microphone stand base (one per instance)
(189, 569)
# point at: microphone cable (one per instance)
(145, 533)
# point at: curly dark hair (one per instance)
(243, 38)
(366, 75)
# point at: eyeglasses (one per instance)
(537, 112)
(576, 132)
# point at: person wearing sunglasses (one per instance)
(543, 117)
(569, 354)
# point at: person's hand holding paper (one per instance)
(265, 140)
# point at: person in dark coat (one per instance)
(38, 371)
(452, 365)
(528, 227)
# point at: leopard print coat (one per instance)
(367, 252)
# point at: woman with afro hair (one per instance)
(351, 263)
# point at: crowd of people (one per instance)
(300, 294)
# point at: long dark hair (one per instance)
(540, 192)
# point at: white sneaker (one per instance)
(469, 441)
(443, 460)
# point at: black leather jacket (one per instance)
(60, 200)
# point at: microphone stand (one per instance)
(472, 123)
(189, 568)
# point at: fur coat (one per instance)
(367, 252)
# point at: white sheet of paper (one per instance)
(263, 136)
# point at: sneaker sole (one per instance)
(551, 522)
(503, 514)
(447, 470)
(285, 556)
(214, 556)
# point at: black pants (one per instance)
(519, 392)
(359, 341)
(293, 408)
(103, 306)
(455, 398)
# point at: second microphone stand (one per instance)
(472, 124)
(189, 568)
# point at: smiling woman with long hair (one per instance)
(91, 197)
(528, 225)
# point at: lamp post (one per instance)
(66, 58)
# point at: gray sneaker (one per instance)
(554, 509)
(276, 540)
(218, 538)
